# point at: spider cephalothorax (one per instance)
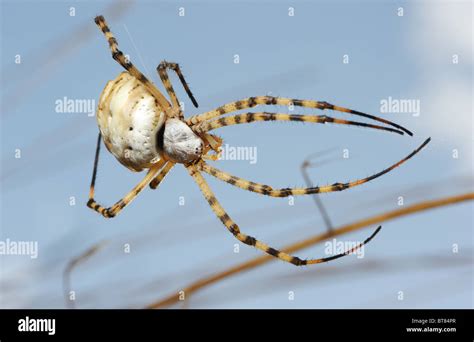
(179, 143)
(144, 130)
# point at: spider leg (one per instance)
(214, 143)
(251, 241)
(269, 191)
(160, 176)
(281, 101)
(162, 71)
(127, 65)
(122, 203)
(207, 126)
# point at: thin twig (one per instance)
(317, 200)
(70, 267)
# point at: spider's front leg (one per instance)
(249, 240)
(287, 102)
(244, 118)
(162, 71)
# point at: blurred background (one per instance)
(350, 53)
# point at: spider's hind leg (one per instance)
(122, 203)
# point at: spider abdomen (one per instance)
(129, 119)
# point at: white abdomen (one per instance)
(129, 119)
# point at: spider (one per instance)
(143, 130)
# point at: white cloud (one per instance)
(439, 31)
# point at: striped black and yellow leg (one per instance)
(162, 71)
(210, 125)
(269, 191)
(281, 101)
(122, 203)
(251, 241)
(159, 178)
(214, 143)
(127, 65)
(119, 205)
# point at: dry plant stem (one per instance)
(71, 265)
(419, 207)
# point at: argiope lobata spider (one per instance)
(143, 130)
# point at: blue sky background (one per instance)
(408, 57)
